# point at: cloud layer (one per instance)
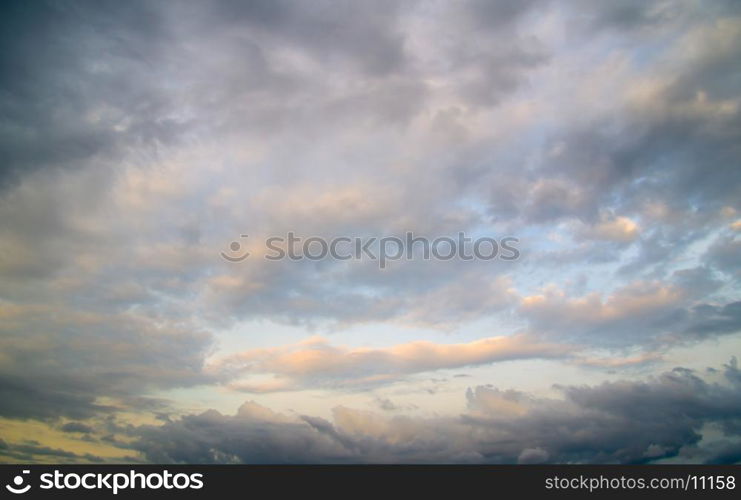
(622, 422)
(139, 140)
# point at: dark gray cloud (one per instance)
(498, 14)
(628, 15)
(46, 398)
(712, 320)
(244, 438)
(78, 427)
(94, 355)
(364, 34)
(724, 255)
(32, 451)
(618, 422)
(78, 84)
(728, 455)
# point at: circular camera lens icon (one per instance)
(17, 486)
(236, 252)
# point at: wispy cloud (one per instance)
(315, 362)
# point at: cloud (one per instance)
(94, 356)
(76, 427)
(723, 255)
(533, 456)
(33, 451)
(709, 319)
(641, 303)
(315, 362)
(138, 140)
(365, 35)
(647, 315)
(68, 92)
(214, 438)
(617, 422)
(111, 229)
(618, 229)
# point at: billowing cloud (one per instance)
(620, 422)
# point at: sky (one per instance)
(141, 142)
